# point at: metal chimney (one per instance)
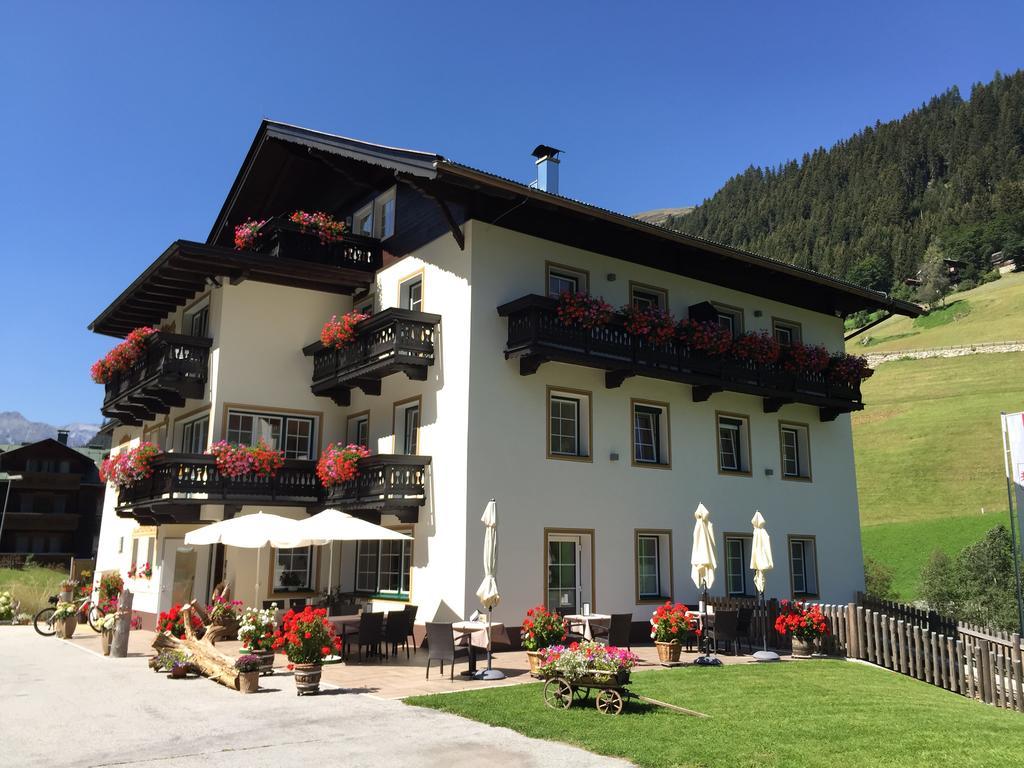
(547, 168)
(62, 436)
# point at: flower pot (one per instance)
(668, 651)
(249, 682)
(534, 658)
(307, 678)
(106, 637)
(803, 649)
(266, 659)
(179, 672)
(66, 627)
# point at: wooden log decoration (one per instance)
(207, 659)
(122, 625)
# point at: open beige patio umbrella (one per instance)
(488, 590)
(760, 563)
(703, 561)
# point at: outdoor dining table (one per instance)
(470, 628)
(585, 619)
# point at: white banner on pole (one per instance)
(1013, 443)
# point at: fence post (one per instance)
(969, 666)
(984, 676)
(852, 642)
(918, 670)
(876, 632)
(1017, 690)
(951, 663)
(901, 634)
(862, 635)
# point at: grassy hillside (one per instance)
(929, 456)
(991, 312)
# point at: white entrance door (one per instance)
(182, 573)
(564, 587)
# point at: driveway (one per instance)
(64, 705)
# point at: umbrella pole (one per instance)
(765, 654)
(489, 673)
(707, 660)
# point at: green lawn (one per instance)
(31, 585)
(817, 713)
(996, 314)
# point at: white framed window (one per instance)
(195, 435)
(295, 435)
(197, 320)
(384, 215)
(407, 427)
(366, 566)
(737, 557)
(561, 280)
(362, 221)
(786, 332)
(650, 434)
(803, 566)
(293, 569)
(647, 297)
(568, 424)
(653, 549)
(795, 451)
(358, 429)
(730, 318)
(733, 443)
(410, 293)
(384, 567)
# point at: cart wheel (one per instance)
(580, 694)
(608, 701)
(558, 693)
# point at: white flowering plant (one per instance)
(256, 628)
(7, 606)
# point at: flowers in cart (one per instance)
(588, 660)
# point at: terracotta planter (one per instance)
(534, 659)
(668, 651)
(803, 649)
(106, 637)
(307, 678)
(179, 672)
(249, 682)
(66, 627)
(266, 659)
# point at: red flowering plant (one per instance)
(238, 460)
(144, 571)
(338, 464)
(848, 370)
(173, 621)
(130, 465)
(248, 233)
(583, 310)
(306, 637)
(542, 628)
(758, 347)
(798, 620)
(329, 229)
(670, 622)
(340, 332)
(123, 356)
(705, 336)
(654, 324)
(111, 585)
(805, 359)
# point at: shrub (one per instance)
(878, 580)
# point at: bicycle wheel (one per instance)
(95, 617)
(43, 622)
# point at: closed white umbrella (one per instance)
(334, 525)
(760, 563)
(703, 557)
(488, 590)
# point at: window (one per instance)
(358, 429)
(197, 320)
(293, 569)
(364, 304)
(737, 558)
(647, 297)
(384, 567)
(195, 434)
(730, 318)
(410, 293)
(803, 566)
(653, 566)
(298, 432)
(733, 443)
(794, 445)
(384, 214)
(407, 427)
(650, 434)
(568, 424)
(362, 221)
(785, 332)
(565, 280)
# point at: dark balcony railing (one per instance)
(172, 370)
(286, 240)
(181, 482)
(395, 340)
(536, 336)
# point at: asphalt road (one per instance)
(62, 705)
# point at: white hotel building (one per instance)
(465, 386)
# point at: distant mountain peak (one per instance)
(15, 428)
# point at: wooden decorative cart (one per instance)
(610, 693)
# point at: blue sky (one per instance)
(121, 127)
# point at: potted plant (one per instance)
(122, 357)
(107, 631)
(584, 311)
(337, 465)
(7, 607)
(248, 667)
(669, 624)
(341, 332)
(165, 660)
(654, 324)
(256, 631)
(65, 619)
(325, 226)
(805, 625)
(588, 661)
(540, 629)
(306, 637)
(129, 466)
(234, 461)
(248, 233)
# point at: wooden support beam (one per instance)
(701, 392)
(773, 404)
(828, 414)
(614, 379)
(341, 396)
(529, 364)
(369, 386)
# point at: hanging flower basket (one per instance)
(234, 461)
(583, 311)
(339, 333)
(248, 233)
(805, 359)
(758, 347)
(129, 466)
(654, 324)
(848, 370)
(122, 357)
(339, 464)
(705, 336)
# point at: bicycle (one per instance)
(94, 613)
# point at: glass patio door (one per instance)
(178, 574)
(564, 574)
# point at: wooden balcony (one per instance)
(173, 369)
(393, 341)
(181, 483)
(537, 336)
(285, 239)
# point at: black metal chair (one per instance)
(745, 626)
(617, 631)
(297, 603)
(338, 608)
(410, 615)
(725, 631)
(369, 635)
(396, 632)
(441, 646)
